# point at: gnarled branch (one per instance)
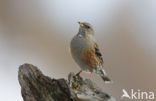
(37, 87)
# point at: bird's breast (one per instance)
(78, 45)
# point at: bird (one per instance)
(86, 53)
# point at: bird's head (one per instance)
(86, 28)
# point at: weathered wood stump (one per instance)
(37, 87)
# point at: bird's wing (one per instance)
(92, 56)
(98, 53)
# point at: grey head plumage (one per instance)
(86, 28)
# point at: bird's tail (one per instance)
(104, 76)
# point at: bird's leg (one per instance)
(90, 76)
(78, 73)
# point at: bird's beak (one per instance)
(81, 24)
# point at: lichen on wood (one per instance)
(37, 87)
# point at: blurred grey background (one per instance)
(39, 32)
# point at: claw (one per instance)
(78, 73)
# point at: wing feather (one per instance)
(98, 54)
(93, 57)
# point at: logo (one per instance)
(138, 94)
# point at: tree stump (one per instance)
(37, 87)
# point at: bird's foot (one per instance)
(78, 73)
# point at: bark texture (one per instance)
(37, 87)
